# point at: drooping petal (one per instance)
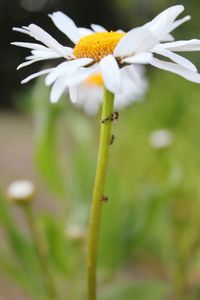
(80, 75)
(73, 93)
(57, 72)
(141, 58)
(98, 28)
(66, 25)
(176, 58)
(67, 67)
(111, 73)
(34, 75)
(136, 40)
(58, 89)
(64, 82)
(174, 68)
(191, 45)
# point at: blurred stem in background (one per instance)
(98, 190)
(40, 251)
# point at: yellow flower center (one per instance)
(95, 80)
(97, 45)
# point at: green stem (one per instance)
(98, 190)
(40, 252)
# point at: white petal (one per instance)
(191, 45)
(57, 72)
(134, 73)
(85, 31)
(49, 53)
(135, 41)
(45, 54)
(73, 94)
(20, 30)
(167, 38)
(180, 22)
(174, 68)
(58, 89)
(64, 82)
(29, 45)
(39, 34)
(133, 87)
(69, 52)
(33, 46)
(98, 28)
(111, 73)
(163, 23)
(36, 75)
(142, 58)
(80, 75)
(66, 25)
(176, 58)
(27, 63)
(120, 31)
(68, 67)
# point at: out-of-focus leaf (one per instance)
(46, 149)
(16, 273)
(139, 290)
(22, 249)
(57, 243)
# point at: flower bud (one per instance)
(21, 191)
(75, 233)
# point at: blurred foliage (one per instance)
(137, 290)
(150, 229)
(153, 195)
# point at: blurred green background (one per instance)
(150, 238)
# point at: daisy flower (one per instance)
(97, 50)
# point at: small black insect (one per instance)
(114, 116)
(104, 199)
(112, 139)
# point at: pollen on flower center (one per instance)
(97, 45)
(95, 80)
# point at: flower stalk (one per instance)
(98, 191)
(40, 252)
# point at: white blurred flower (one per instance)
(21, 191)
(75, 232)
(89, 93)
(97, 50)
(160, 139)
